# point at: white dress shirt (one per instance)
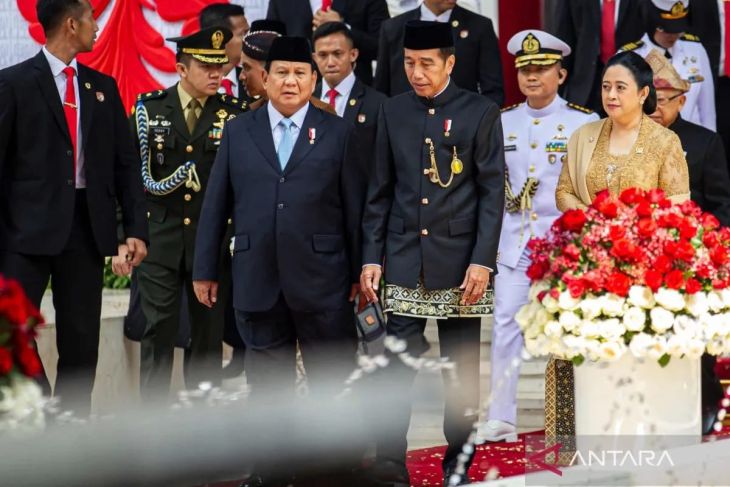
(426, 14)
(343, 93)
(234, 83)
(59, 77)
(277, 130)
(721, 19)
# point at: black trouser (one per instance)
(459, 341)
(160, 290)
(722, 103)
(76, 276)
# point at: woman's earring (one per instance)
(642, 101)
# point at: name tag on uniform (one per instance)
(508, 148)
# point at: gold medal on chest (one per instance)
(456, 165)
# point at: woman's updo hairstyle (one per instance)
(641, 72)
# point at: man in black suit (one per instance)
(66, 157)
(363, 17)
(233, 18)
(709, 185)
(478, 68)
(353, 100)
(432, 219)
(581, 23)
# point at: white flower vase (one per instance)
(632, 398)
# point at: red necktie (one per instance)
(726, 69)
(326, 4)
(227, 86)
(69, 109)
(332, 93)
(608, 30)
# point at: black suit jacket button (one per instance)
(281, 180)
(280, 206)
(70, 182)
(69, 153)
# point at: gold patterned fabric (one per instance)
(434, 303)
(560, 409)
(655, 161)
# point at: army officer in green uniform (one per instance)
(178, 134)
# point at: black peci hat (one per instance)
(421, 34)
(265, 25)
(294, 49)
(207, 45)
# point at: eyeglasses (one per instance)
(663, 101)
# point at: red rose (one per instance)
(653, 279)
(535, 242)
(704, 271)
(618, 283)
(601, 196)
(687, 230)
(646, 227)
(670, 220)
(692, 286)
(718, 284)
(624, 250)
(710, 239)
(541, 295)
(644, 209)
(555, 293)
(681, 250)
(6, 361)
(709, 222)
(576, 288)
(725, 234)
(719, 255)
(655, 195)
(572, 252)
(537, 270)
(29, 361)
(573, 220)
(662, 264)
(632, 196)
(616, 232)
(689, 207)
(592, 280)
(607, 208)
(674, 279)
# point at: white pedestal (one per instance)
(632, 398)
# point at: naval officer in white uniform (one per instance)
(536, 136)
(668, 21)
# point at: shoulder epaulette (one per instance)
(511, 107)
(151, 95)
(579, 108)
(233, 102)
(690, 37)
(631, 46)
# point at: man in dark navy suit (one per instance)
(66, 158)
(296, 203)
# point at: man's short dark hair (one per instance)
(51, 13)
(445, 52)
(330, 28)
(219, 14)
(183, 58)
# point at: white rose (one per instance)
(555, 347)
(569, 320)
(634, 319)
(525, 315)
(713, 325)
(568, 302)
(542, 316)
(661, 319)
(716, 347)
(536, 289)
(610, 351)
(551, 304)
(592, 348)
(590, 306)
(612, 304)
(697, 304)
(670, 299)
(676, 346)
(695, 348)
(531, 346)
(641, 296)
(725, 296)
(576, 345)
(640, 344)
(686, 326)
(553, 329)
(611, 329)
(589, 329)
(658, 347)
(714, 301)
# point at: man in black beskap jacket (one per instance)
(66, 158)
(709, 186)
(478, 67)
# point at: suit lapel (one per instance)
(357, 94)
(261, 134)
(302, 147)
(88, 101)
(175, 113)
(44, 77)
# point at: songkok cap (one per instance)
(422, 34)
(267, 25)
(670, 15)
(257, 42)
(665, 76)
(294, 49)
(207, 45)
(536, 47)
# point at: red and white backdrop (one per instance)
(131, 47)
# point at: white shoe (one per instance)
(495, 430)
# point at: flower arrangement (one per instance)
(634, 273)
(21, 401)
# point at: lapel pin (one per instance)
(361, 118)
(100, 96)
(87, 85)
(464, 34)
(639, 150)
(447, 127)
(352, 102)
(312, 135)
(455, 23)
